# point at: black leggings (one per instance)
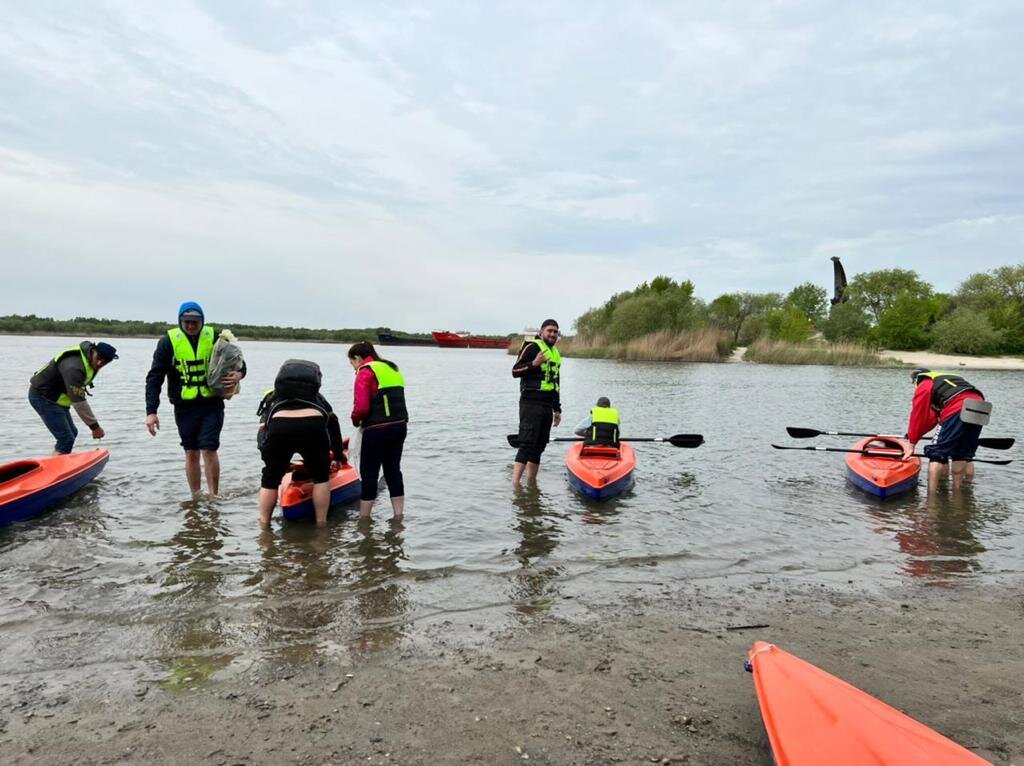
(286, 436)
(382, 447)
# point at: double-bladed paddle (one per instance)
(678, 440)
(807, 433)
(882, 452)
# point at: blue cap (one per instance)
(106, 351)
(191, 310)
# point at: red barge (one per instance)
(462, 339)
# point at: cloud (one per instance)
(474, 166)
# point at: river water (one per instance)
(132, 571)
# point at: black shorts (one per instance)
(955, 440)
(534, 430)
(199, 423)
(285, 436)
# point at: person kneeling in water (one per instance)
(295, 417)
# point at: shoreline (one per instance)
(953, 362)
(649, 679)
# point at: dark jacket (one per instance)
(530, 378)
(163, 367)
(64, 377)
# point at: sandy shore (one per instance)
(951, 363)
(652, 680)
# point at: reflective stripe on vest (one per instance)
(604, 427)
(192, 365)
(946, 386)
(388, 404)
(64, 400)
(550, 368)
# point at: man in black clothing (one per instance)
(540, 407)
(182, 356)
(63, 383)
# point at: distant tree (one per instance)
(905, 323)
(743, 314)
(876, 291)
(966, 331)
(810, 299)
(846, 322)
(999, 295)
(789, 323)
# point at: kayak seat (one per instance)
(597, 450)
(13, 471)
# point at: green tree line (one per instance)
(95, 327)
(889, 308)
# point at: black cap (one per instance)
(547, 322)
(106, 351)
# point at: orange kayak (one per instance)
(600, 472)
(885, 473)
(815, 718)
(31, 487)
(296, 492)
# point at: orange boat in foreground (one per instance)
(813, 718)
(31, 487)
(884, 473)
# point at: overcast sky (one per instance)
(485, 165)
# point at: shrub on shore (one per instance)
(708, 344)
(767, 351)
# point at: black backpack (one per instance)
(298, 381)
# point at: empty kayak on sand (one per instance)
(296, 492)
(31, 487)
(600, 472)
(883, 473)
(815, 718)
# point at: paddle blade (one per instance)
(802, 433)
(690, 441)
(995, 442)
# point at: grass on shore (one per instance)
(840, 354)
(704, 345)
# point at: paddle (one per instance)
(880, 452)
(689, 441)
(807, 433)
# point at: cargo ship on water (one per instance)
(463, 339)
(389, 339)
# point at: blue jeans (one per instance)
(57, 419)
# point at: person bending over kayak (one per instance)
(601, 426)
(63, 383)
(540, 407)
(295, 417)
(959, 409)
(182, 356)
(378, 409)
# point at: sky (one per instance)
(483, 166)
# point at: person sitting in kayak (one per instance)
(960, 410)
(601, 426)
(295, 417)
(63, 383)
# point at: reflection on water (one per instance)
(193, 583)
(537, 524)
(937, 532)
(379, 594)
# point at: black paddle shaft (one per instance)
(994, 442)
(689, 441)
(881, 452)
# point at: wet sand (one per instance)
(655, 679)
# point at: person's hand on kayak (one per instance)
(153, 424)
(908, 450)
(98, 432)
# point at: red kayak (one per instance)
(31, 487)
(296, 493)
(600, 472)
(813, 718)
(884, 472)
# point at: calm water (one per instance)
(130, 571)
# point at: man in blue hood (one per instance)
(183, 357)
